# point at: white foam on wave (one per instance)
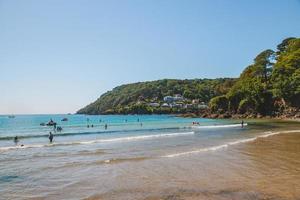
(133, 138)
(120, 139)
(24, 146)
(219, 126)
(214, 148)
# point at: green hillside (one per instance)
(269, 86)
(135, 97)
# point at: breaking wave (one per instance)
(89, 133)
(214, 148)
(119, 139)
(219, 126)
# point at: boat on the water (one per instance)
(64, 119)
(51, 123)
(11, 116)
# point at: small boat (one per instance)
(11, 116)
(64, 119)
(51, 123)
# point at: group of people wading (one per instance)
(56, 128)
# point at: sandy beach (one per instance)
(166, 158)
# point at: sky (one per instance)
(56, 56)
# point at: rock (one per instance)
(214, 116)
(259, 116)
(227, 115)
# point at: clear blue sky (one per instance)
(58, 55)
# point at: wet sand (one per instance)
(258, 162)
(267, 168)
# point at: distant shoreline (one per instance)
(295, 118)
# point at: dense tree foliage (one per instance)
(286, 72)
(133, 98)
(219, 103)
(272, 79)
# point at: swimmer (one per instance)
(16, 140)
(50, 137)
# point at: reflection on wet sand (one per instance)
(267, 168)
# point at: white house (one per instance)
(178, 97)
(154, 104)
(202, 106)
(168, 99)
(176, 105)
(165, 105)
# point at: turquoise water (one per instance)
(81, 154)
(88, 128)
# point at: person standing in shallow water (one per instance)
(16, 140)
(242, 123)
(50, 137)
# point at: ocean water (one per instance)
(148, 157)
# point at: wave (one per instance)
(219, 126)
(62, 134)
(119, 160)
(90, 133)
(110, 161)
(120, 139)
(214, 148)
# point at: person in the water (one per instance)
(16, 140)
(105, 126)
(50, 137)
(242, 123)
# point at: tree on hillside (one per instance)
(263, 63)
(285, 76)
(251, 91)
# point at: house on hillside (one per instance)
(170, 99)
(176, 105)
(154, 104)
(165, 105)
(195, 101)
(178, 97)
(189, 106)
(202, 105)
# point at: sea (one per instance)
(148, 157)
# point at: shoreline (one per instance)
(293, 117)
